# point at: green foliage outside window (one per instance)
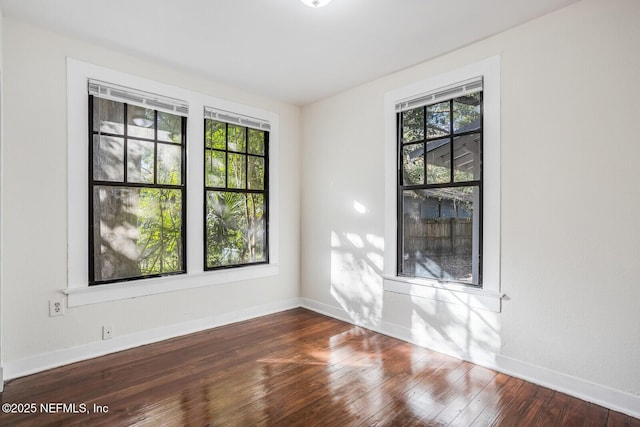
(138, 192)
(235, 195)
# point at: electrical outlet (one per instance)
(107, 332)
(56, 307)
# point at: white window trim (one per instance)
(78, 290)
(488, 297)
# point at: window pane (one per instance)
(137, 232)
(466, 157)
(108, 116)
(256, 229)
(256, 142)
(439, 229)
(169, 127)
(237, 170)
(237, 138)
(413, 164)
(140, 122)
(413, 125)
(140, 161)
(235, 228)
(466, 113)
(439, 161)
(108, 158)
(169, 164)
(256, 173)
(438, 120)
(216, 134)
(214, 168)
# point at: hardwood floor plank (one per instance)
(291, 368)
(621, 420)
(487, 397)
(515, 410)
(476, 381)
(555, 410)
(442, 396)
(596, 416)
(507, 394)
(575, 413)
(537, 407)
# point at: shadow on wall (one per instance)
(455, 328)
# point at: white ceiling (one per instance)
(282, 48)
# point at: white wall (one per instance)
(34, 217)
(570, 203)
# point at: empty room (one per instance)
(319, 212)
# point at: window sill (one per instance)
(446, 292)
(138, 288)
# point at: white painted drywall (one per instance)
(570, 201)
(35, 204)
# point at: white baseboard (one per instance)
(45, 361)
(599, 394)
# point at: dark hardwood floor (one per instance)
(291, 368)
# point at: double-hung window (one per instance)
(440, 185)
(137, 184)
(236, 190)
(442, 194)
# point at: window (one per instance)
(440, 187)
(157, 127)
(442, 194)
(137, 187)
(236, 193)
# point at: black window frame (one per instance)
(401, 186)
(264, 192)
(93, 183)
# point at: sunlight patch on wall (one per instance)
(359, 207)
(356, 282)
(376, 241)
(355, 240)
